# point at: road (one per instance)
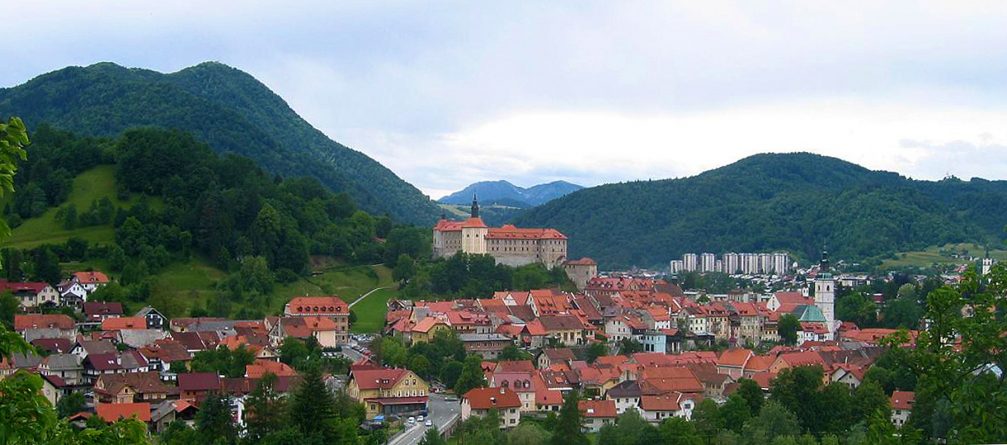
(441, 412)
(368, 293)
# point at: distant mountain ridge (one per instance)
(795, 202)
(505, 193)
(226, 108)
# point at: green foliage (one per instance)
(568, 426)
(223, 361)
(858, 308)
(9, 306)
(787, 329)
(595, 350)
(433, 437)
(318, 416)
(629, 346)
(213, 422)
(223, 107)
(512, 352)
(471, 375)
(787, 202)
(479, 275)
(264, 410)
(70, 404)
(749, 390)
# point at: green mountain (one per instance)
(795, 202)
(222, 106)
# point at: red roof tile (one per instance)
(32, 321)
(492, 398)
(111, 412)
(593, 409)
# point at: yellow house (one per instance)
(425, 330)
(385, 391)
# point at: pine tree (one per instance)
(472, 375)
(213, 423)
(568, 427)
(264, 410)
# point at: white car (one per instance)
(419, 419)
(429, 423)
(411, 421)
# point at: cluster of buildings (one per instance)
(776, 263)
(658, 315)
(128, 365)
(71, 292)
(658, 385)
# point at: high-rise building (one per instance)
(731, 264)
(708, 262)
(765, 263)
(718, 266)
(676, 266)
(781, 262)
(690, 262)
(749, 263)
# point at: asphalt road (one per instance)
(441, 412)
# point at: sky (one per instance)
(449, 93)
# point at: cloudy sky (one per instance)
(448, 93)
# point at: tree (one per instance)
(433, 437)
(71, 404)
(404, 269)
(707, 418)
(629, 345)
(512, 352)
(679, 431)
(568, 427)
(595, 350)
(797, 389)
(9, 305)
(471, 376)
(528, 433)
(13, 139)
(264, 410)
(735, 413)
(213, 422)
(749, 390)
(47, 266)
(773, 420)
(904, 312)
(787, 328)
(314, 412)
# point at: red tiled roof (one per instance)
(582, 262)
(597, 408)
(34, 286)
(99, 308)
(903, 400)
(492, 398)
(111, 412)
(32, 321)
(304, 327)
(661, 403)
(120, 323)
(515, 366)
(510, 232)
(377, 378)
(199, 381)
(91, 277)
(261, 367)
(316, 306)
(736, 357)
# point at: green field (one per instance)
(92, 185)
(930, 256)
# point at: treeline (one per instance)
(443, 358)
(471, 276)
(791, 202)
(187, 201)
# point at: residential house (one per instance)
(480, 401)
(119, 323)
(155, 319)
(89, 281)
(53, 388)
(195, 386)
(130, 387)
(113, 412)
(566, 330)
(732, 362)
(67, 367)
(98, 311)
(57, 325)
(626, 395)
(330, 307)
(596, 414)
(169, 411)
(902, 406)
(488, 346)
(523, 384)
(32, 294)
(657, 408)
(553, 356)
(388, 391)
(324, 329)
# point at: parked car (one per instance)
(419, 418)
(411, 421)
(429, 423)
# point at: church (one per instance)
(509, 245)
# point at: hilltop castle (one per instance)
(508, 244)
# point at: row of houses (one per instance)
(137, 365)
(71, 292)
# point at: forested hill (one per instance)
(505, 193)
(222, 106)
(795, 202)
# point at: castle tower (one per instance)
(825, 293)
(474, 231)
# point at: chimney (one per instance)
(501, 390)
(493, 400)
